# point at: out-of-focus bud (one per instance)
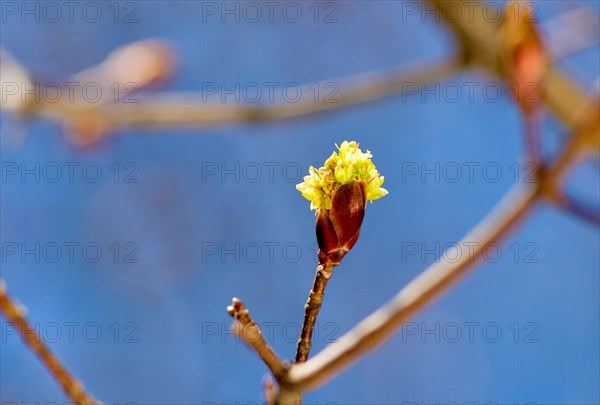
(524, 53)
(338, 192)
(143, 63)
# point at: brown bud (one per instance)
(339, 227)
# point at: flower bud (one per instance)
(339, 227)
(339, 191)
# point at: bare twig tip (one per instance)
(230, 310)
(237, 304)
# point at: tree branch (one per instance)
(248, 330)
(187, 109)
(380, 326)
(13, 313)
(564, 99)
(311, 311)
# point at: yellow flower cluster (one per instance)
(349, 165)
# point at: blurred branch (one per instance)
(187, 109)
(577, 209)
(479, 41)
(248, 330)
(583, 142)
(149, 61)
(14, 313)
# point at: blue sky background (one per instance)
(169, 307)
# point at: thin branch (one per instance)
(311, 311)
(13, 313)
(248, 330)
(187, 109)
(582, 142)
(382, 324)
(578, 209)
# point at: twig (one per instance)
(380, 326)
(578, 209)
(311, 311)
(583, 141)
(181, 109)
(14, 314)
(248, 330)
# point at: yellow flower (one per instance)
(348, 165)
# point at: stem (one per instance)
(13, 313)
(311, 311)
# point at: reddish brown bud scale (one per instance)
(339, 227)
